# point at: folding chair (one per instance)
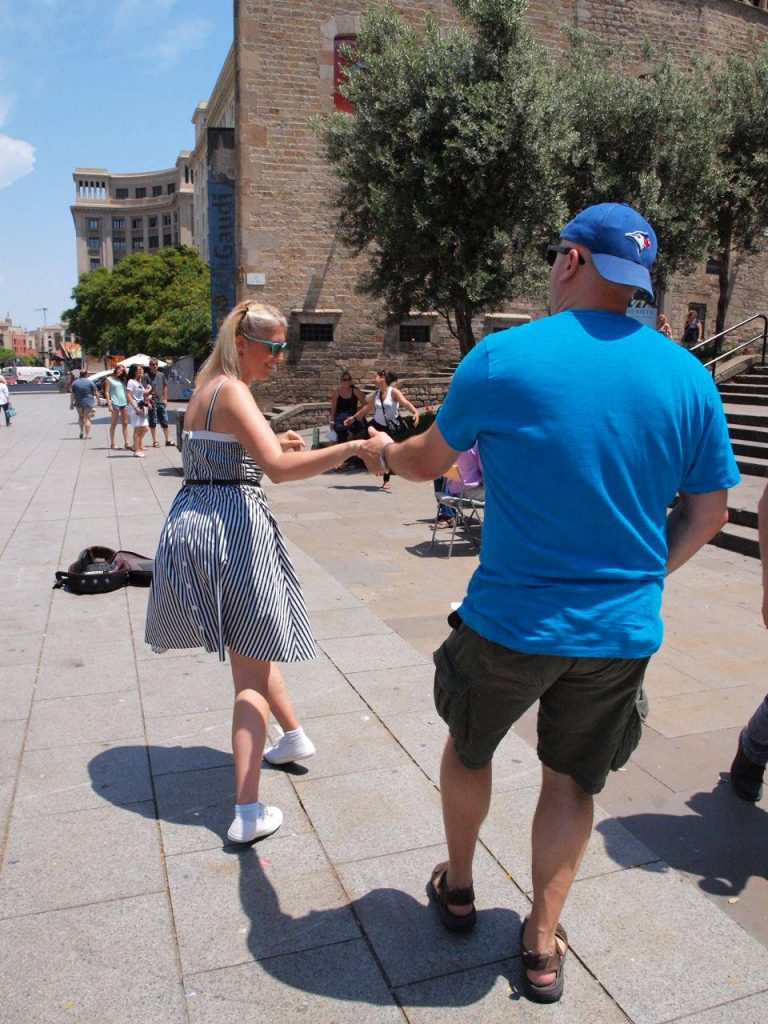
(467, 506)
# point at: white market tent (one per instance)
(139, 358)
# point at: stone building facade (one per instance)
(118, 214)
(216, 112)
(283, 73)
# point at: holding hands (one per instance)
(370, 451)
(291, 441)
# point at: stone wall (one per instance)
(286, 230)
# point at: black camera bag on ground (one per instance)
(101, 570)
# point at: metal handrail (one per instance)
(745, 344)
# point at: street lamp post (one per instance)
(44, 311)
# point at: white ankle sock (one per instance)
(293, 745)
(248, 812)
(253, 821)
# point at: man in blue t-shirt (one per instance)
(588, 425)
(82, 396)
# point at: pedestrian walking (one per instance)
(5, 401)
(385, 404)
(83, 397)
(223, 579)
(583, 449)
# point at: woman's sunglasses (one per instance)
(273, 346)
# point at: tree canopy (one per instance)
(645, 139)
(739, 209)
(468, 148)
(156, 304)
(449, 173)
(9, 358)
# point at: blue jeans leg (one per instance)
(754, 736)
(444, 511)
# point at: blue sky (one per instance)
(90, 83)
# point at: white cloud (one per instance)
(17, 158)
(169, 48)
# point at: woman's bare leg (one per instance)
(124, 421)
(279, 702)
(249, 723)
(138, 438)
(112, 426)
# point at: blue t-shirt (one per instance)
(83, 390)
(588, 425)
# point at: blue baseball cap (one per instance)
(622, 243)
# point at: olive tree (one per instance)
(449, 172)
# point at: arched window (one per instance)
(341, 65)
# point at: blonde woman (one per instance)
(223, 579)
(662, 326)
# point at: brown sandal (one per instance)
(544, 962)
(443, 896)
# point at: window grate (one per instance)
(315, 332)
(418, 333)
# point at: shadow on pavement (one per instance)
(319, 952)
(462, 548)
(724, 840)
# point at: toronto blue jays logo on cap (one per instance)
(621, 242)
(640, 238)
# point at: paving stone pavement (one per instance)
(119, 899)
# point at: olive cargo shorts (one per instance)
(589, 714)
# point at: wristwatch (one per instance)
(383, 456)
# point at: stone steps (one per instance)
(749, 437)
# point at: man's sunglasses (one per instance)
(273, 346)
(554, 250)
(347, 379)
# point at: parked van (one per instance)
(28, 375)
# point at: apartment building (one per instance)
(118, 214)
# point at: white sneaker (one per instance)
(290, 748)
(264, 823)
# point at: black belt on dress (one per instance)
(219, 483)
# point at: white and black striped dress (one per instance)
(222, 576)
